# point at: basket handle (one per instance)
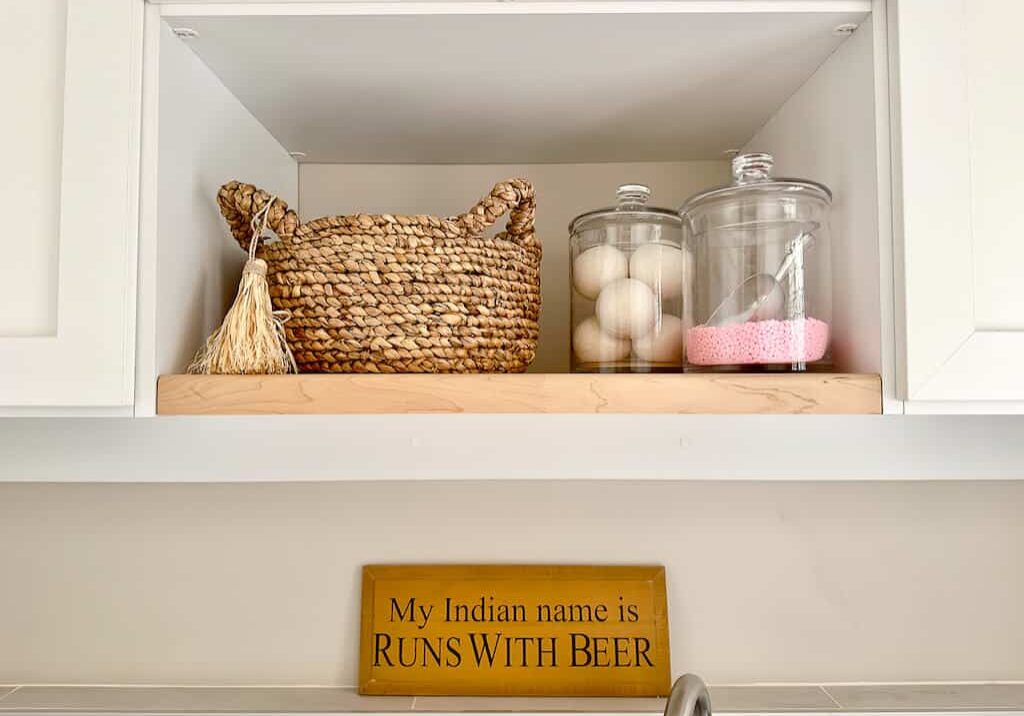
(240, 202)
(514, 196)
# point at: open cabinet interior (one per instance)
(392, 109)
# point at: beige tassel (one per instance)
(251, 338)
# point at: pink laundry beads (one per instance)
(802, 340)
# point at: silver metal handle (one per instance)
(793, 252)
(689, 697)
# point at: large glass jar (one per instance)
(762, 291)
(628, 269)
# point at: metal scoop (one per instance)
(767, 289)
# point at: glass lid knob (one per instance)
(750, 168)
(633, 194)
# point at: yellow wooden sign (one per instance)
(514, 630)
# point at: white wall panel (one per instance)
(190, 263)
(826, 132)
(31, 123)
(995, 87)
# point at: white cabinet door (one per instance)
(69, 133)
(959, 150)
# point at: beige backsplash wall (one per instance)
(259, 583)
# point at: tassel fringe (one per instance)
(251, 339)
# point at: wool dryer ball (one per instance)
(663, 343)
(626, 308)
(597, 267)
(660, 267)
(592, 345)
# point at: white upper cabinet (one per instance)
(110, 181)
(69, 133)
(959, 115)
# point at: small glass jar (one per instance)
(762, 292)
(628, 276)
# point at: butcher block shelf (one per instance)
(318, 394)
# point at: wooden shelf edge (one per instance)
(340, 394)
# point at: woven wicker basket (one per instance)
(402, 294)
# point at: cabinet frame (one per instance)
(148, 363)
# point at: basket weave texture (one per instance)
(402, 294)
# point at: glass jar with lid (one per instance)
(628, 276)
(762, 293)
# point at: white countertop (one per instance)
(738, 699)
